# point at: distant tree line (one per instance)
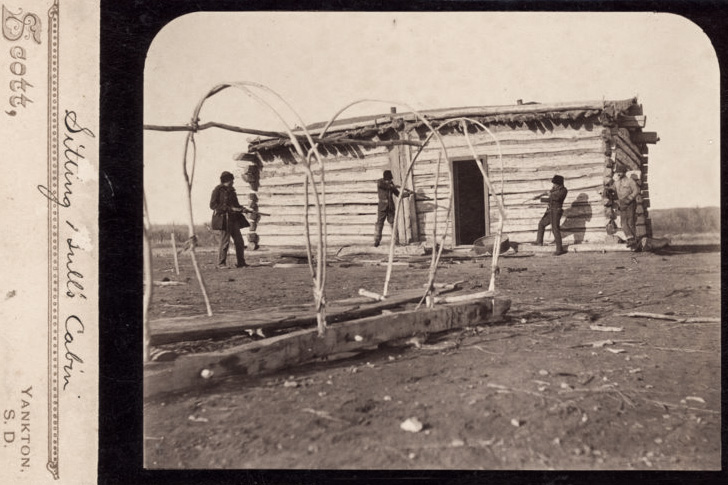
(685, 220)
(160, 235)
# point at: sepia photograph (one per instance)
(431, 241)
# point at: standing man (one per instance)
(555, 199)
(385, 207)
(228, 218)
(627, 191)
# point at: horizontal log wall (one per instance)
(351, 199)
(530, 159)
(578, 152)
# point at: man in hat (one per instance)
(385, 207)
(627, 191)
(555, 199)
(228, 218)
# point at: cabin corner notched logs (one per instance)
(582, 141)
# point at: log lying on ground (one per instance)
(169, 283)
(463, 298)
(673, 318)
(198, 370)
(371, 294)
(199, 327)
(409, 250)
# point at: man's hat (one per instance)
(558, 180)
(621, 169)
(387, 175)
(226, 177)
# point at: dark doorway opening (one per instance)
(471, 202)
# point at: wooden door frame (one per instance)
(483, 159)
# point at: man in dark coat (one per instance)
(554, 211)
(385, 207)
(228, 218)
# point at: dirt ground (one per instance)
(539, 391)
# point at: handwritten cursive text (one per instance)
(72, 154)
(74, 326)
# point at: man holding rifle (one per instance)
(385, 207)
(228, 218)
(555, 199)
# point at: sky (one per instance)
(320, 62)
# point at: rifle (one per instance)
(408, 192)
(245, 210)
(544, 194)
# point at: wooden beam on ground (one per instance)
(674, 318)
(195, 371)
(199, 327)
(409, 250)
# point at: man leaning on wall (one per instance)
(627, 192)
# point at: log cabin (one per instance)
(582, 141)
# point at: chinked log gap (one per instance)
(302, 346)
(324, 141)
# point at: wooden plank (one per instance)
(531, 212)
(519, 138)
(529, 161)
(331, 219)
(593, 145)
(629, 158)
(367, 197)
(637, 121)
(624, 137)
(529, 235)
(199, 327)
(373, 161)
(331, 209)
(645, 137)
(359, 175)
(332, 241)
(305, 345)
(357, 227)
(332, 190)
(335, 154)
(536, 186)
(526, 199)
(525, 225)
(508, 135)
(426, 181)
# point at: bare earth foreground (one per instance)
(540, 391)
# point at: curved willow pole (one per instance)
(501, 208)
(192, 241)
(432, 131)
(243, 86)
(306, 230)
(436, 260)
(148, 281)
(435, 133)
(319, 280)
(435, 247)
(323, 230)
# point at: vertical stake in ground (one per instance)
(174, 252)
